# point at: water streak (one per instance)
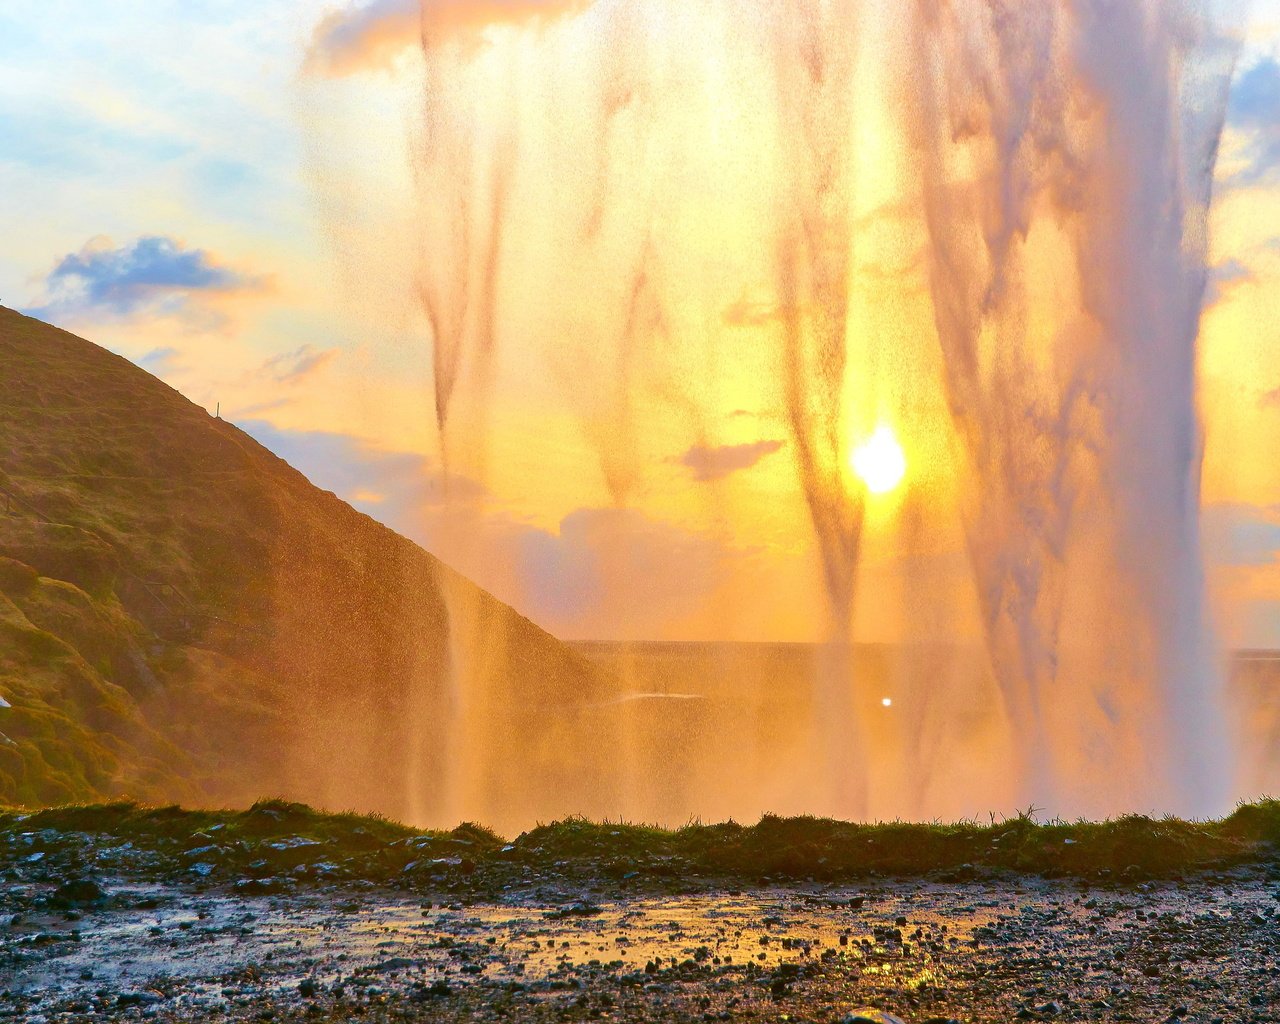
(602, 187)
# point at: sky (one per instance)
(224, 192)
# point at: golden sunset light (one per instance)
(880, 461)
(585, 418)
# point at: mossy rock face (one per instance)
(17, 579)
(61, 552)
(30, 645)
(99, 631)
(210, 626)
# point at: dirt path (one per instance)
(997, 950)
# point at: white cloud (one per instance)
(375, 35)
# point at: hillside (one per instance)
(184, 616)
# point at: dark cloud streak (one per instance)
(296, 366)
(715, 463)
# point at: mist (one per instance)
(983, 226)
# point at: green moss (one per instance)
(194, 606)
(1259, 821)
(279, 835)
(16, 578)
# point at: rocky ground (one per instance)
(1001, 948)
(282, 913)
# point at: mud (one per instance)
(999, 949)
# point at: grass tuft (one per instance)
(282, 843)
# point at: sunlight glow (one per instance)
(880, 461)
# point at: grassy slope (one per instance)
(184, 616)
(275, 839)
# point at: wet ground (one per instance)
(1002, 949)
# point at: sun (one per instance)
(880, 462)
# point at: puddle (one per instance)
(916, 942)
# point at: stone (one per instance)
(78, 892)
(870, 1016)
(138, 998)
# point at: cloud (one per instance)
(1241, 535)
(602, 573)
(159, 361)
(618, 574)
(710, 463)
(373, 36)
(1255, 110)
(1223, 279)
(363, 38)
(296, 366)
(1270, 400)
(405, 482)
(154, 274)
(260, 408)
